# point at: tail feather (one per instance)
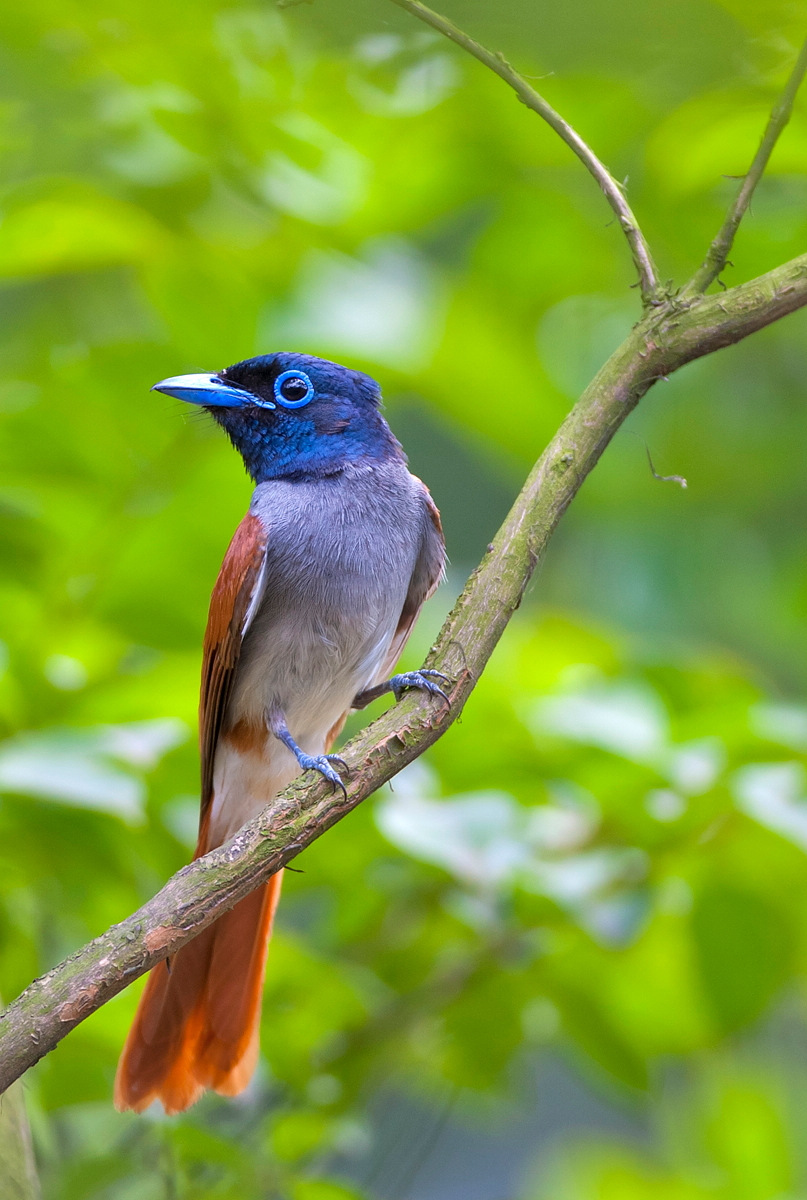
(197, 1023)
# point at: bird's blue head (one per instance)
(292, 416)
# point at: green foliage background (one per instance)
(566, 956)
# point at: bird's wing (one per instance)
(429, 570)
(235, 600)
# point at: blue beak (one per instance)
(208, 390)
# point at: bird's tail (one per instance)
(197, 1023)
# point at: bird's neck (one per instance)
(299, 451)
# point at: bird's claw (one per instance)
(322, 763)
(422, 680)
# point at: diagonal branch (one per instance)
(668, 337)
(640, 251)
(720, 248)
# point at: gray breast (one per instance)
(341, 552)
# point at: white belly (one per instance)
(313, 682)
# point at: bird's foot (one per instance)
(276, 723)
(322, 763)
(422, 681)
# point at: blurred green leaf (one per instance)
(744, 948)
(74, 232)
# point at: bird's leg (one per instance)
(398, 684)
(276, 723)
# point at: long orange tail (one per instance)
(197, 1023)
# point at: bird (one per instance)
(315, 600)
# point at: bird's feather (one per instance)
(197, 1022)
(235, 600)
(426, 577)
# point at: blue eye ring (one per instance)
(283, 378)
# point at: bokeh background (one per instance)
(566, 957)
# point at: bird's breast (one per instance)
(340, 556)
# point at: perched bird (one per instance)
(316, 597)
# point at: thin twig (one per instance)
(679, 479)
(640, 251)
(720, 248)
(664, 340)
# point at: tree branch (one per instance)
(668, 336)
(640, 251)
(720, 248)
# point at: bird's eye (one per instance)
(293, 389)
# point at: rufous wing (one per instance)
(233, 604)
(197, 1023)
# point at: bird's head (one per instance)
(292, 416)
